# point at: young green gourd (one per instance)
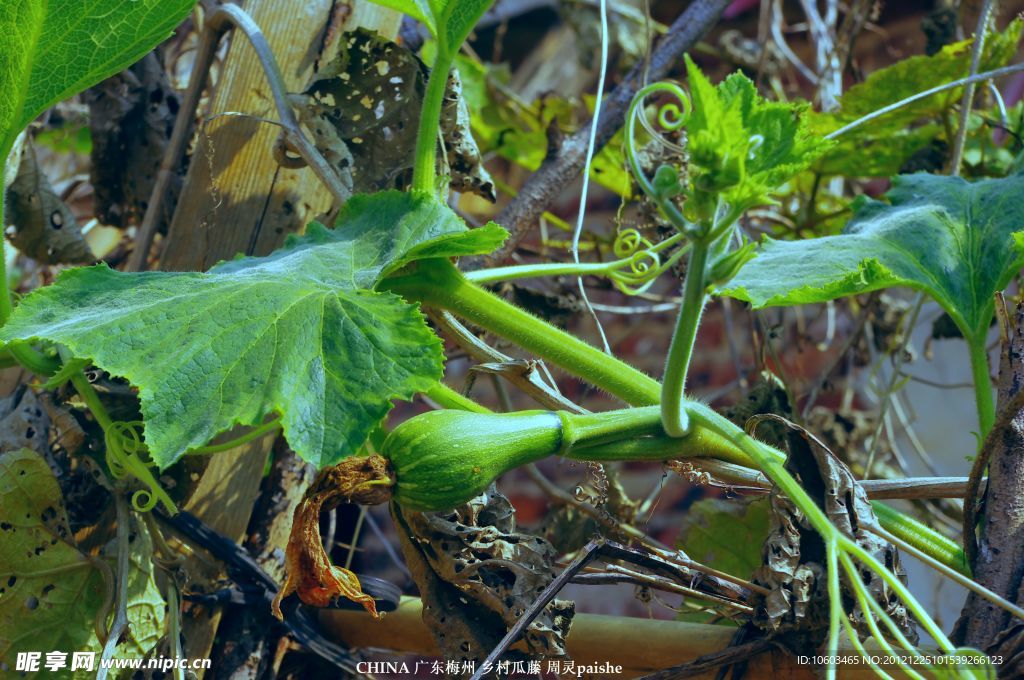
(442, 459)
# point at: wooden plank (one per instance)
(237, 199)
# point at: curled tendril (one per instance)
(627, 242)
(671, 117)
(127, 456)
(639, 261)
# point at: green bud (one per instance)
(724, 268)
(666, 182)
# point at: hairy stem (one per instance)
(424, 172)
(673, 415)
(923, 538)
(439, 284)
(446, 397)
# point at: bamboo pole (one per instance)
(639, 646)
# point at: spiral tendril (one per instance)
(639, 261)
(127, 456)
(627, 242)
(671, 117)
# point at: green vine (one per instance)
(424, 173)
(637, 268)
(125, 450)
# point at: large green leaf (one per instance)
(52, 49)
(958, 241)
(300, 332)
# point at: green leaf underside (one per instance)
(727, 533)
(459, 17)
(958, 241)
(300, 332)
(52, 49)
(732, 124)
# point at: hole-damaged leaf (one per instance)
(51, 593)
(46, 583)
(300, 332)
(958, 241)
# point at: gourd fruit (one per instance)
(441, 459)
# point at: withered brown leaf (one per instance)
(309, 570)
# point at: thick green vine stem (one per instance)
(437, 283)
(924, 538)
(665, 191)
(677, 365)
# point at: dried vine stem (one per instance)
(226, 17)
(614, 573)
(738, 479)
(120, 623)
(522, 376)
(521, 215)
